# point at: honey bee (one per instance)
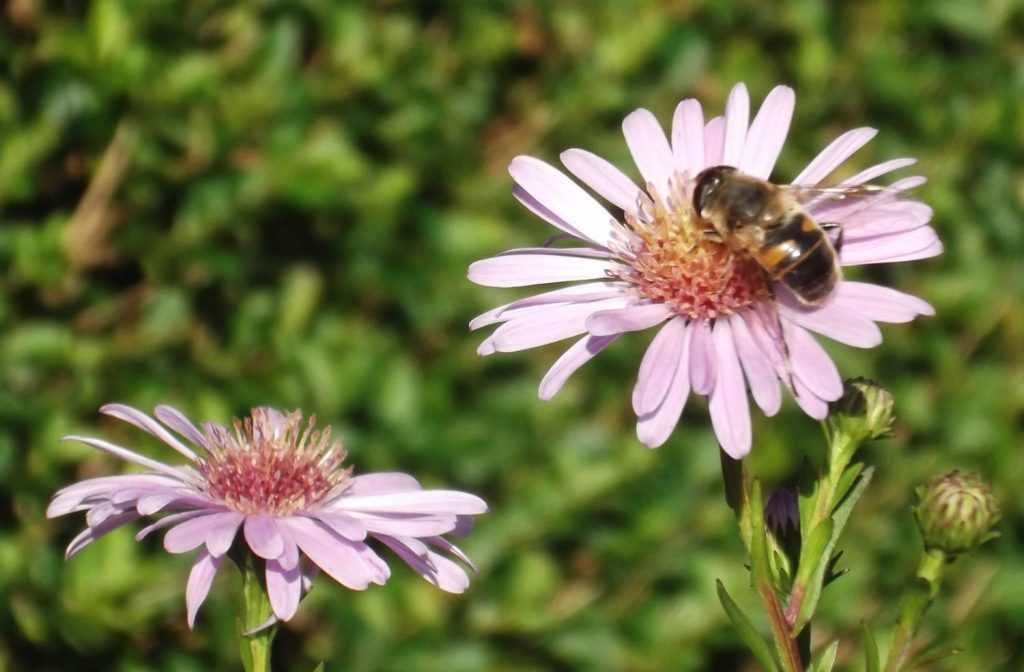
(768, 223)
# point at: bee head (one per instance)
(709, 182)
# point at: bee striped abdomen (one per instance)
(800, 256)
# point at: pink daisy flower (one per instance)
(724, 325)
(282, 484)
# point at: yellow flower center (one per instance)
(682, 262)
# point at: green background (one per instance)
(219, 206)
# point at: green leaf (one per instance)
(760, 565)
(930, 655)
(815, 553)
(845, 508)
(812, 582)
(846, 480)
(872, 662)
(831, 574)
(827, 660)
(755, 642)
(319, 668)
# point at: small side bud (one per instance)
(956, 513)
(782, 513)
(864, 411)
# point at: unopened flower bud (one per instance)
(782, 512)
(864, 411)
(956, 513)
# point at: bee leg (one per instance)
(835, 226)
(782, 340)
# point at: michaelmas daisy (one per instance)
(723, 326)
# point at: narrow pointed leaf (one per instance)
(842, 512)
(931, 655)
(847, 479)
(872, 663)
(828, 658)
(815, 553)
(754, 641)
(814, 585)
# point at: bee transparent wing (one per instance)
(831, 203)
(809, 195)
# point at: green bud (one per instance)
(863, 412)
(956, 513)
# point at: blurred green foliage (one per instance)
(218, 205)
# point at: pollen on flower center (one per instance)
(272, 464)
(679, 260)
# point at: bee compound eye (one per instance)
(709, 182)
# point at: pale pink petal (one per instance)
(654, 429)
(808, 402)
(216, 530)
(650, 149)
(100, 511)
(600, 175)
(688, 138)
(409, 526)
(382, 483)
(166, 521)
(730, 411)
(177, 421)
(564, 198)
(737, 116)
(811, 364)
(199, 580)
(452, 549)
(831, 157)
(520, 270)
(290, 557)
(127, 455)
(527, 314)
(344, 524)
(887, 221)
(552, 251)
(94, 532)
(284, 589)
(882, 304)
(919, 243)
(579, 354)
(588, 291)
(703, 359)
(554, 323)
(833, 321)
(263, 537)
(435, 568)
(340, 558)
(758, 367)
(828, 209)
(72, 497)
(630, 318)
(156, 502)
(149, 425)
(765, 331)
(714, 142)
(415, 502)
(535, 206)
(767, 133)
(871, 173)
(659, 366)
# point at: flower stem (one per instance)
(254, 636)
(915, 602)
(786, 646)
(747, 502)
